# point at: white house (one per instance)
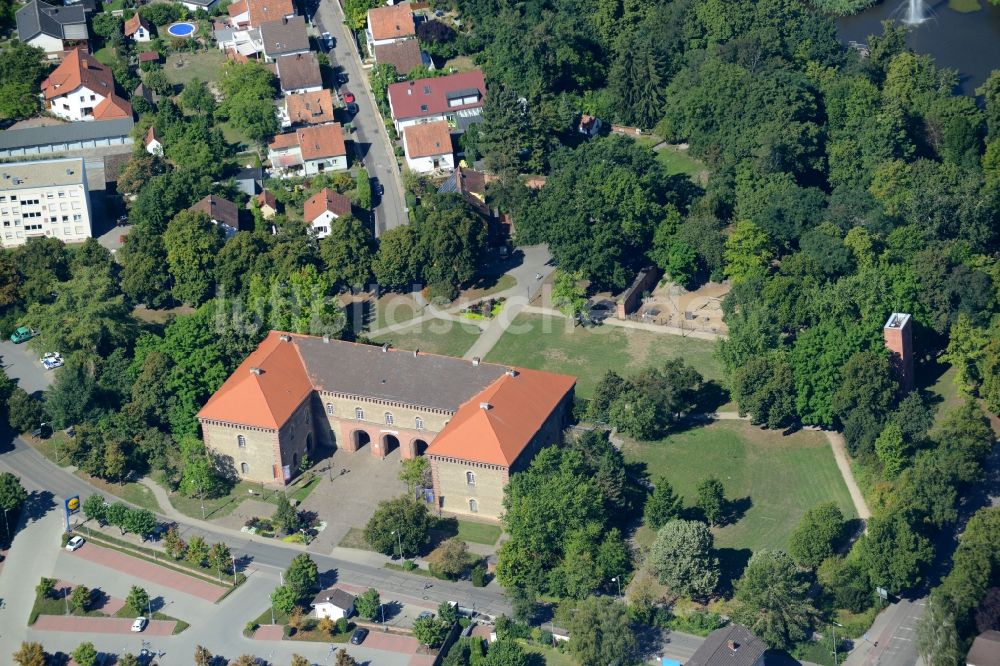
(457, 98)
(323, 208)
(389, 24)
(137, 29)
(333, 603)
(53, 28)
(44, 198)
(81, 88)
(195, 5)
(427, 147)
(152, 142)
(308, 151)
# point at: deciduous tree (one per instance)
(399, 524)
(772, 599)
(601, 633)
(817, 534)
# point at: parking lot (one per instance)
(21, 364)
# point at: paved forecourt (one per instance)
(136, 568)
(101, 625)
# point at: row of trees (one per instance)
(141, 522)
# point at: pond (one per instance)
(968, 41)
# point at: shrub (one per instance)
(409, 565)
(479, 576)
(250, 628)
(342, 625)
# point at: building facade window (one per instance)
(244, 468)
(329, 408)
(241, 441)
(473, 506)
(388, 418)
(359, 414)
(470, 478)
(419, 423)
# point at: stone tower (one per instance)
(898, 334)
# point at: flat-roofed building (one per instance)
(44, 198)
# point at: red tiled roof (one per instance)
(112, 107)
(132, 25)
(149, 56)
(266, 399)
(79, 68)
(428, 97)
(427, 139)
(496, 425)
(262, 11)
(321, 141)
(267, 198)
(311, 108)
(391, 22)
(326, 200)
(221, 210)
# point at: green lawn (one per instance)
(437, 336)
(483, 533)
(392, 309)
(676, 161)
(133, 493)
(355, 538)
(106, 55)
(782, 476)
(487, 285)
(205, 65)
(214, 507)
(550, 656)
(545, 343)
(946, 394)
(233, 135)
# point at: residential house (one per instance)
(195, 5)
(589, 126)
(81, 88)
(985, 650)
(221, 212)
(333, 603)
(255, 13)
(138, 28)
(44, 198)
(471, 186)
(284, 37)
(309, 150)
(247, 179)
(733, 645)
(404, 55)
(65, 137)
(477, 422)
(149, 56)
(53, 28)
(240, 44)
(267, 204)
(299, 73)
(313, 108)
(389, 24)
(427, 147)
(457, 98)
(323, 208)
(152, 142)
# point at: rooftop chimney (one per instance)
(285, 337)
(256, 371)
(475, 360)
(733, 645)
(415, 352)
(485, 405)
(326, 339)
(511, 372)
(385, 347)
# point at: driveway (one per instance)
(21, 364)
(370, 140)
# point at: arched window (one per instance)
(470, 478)
(473, 506)
(420, 423)
(359, 414)
(329, 408)
(388, 418)
(244, 468)
(241, 441)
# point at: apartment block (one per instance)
(44, 198)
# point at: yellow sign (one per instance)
(73, 503)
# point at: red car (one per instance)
(348, 97)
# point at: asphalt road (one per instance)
(370, 140)
(21, 459)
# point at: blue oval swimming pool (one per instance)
(181, 29)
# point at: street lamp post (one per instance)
(6, 525)
(833, 627)
(399, 538)
(618, 579)
(65, 600)
(201, 495)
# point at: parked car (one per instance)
(352, 108)
(43, 431)
(75, 543)
(348, 97)
(22, 334)
(327, 41)
(378, 188)
(51, 360)
(139, 624)
(341, 78)
(358, 637)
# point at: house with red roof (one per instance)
(477, 422)
(138, 28)
(389, 24)
(81, 88)
(308, 151)
(323, 208)
(457, 98)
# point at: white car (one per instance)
(51, 360)
(75, 543)
(139, 624)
